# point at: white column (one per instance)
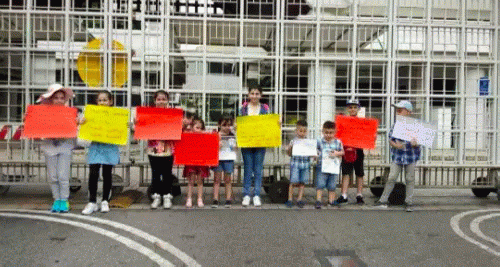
(323, 109)
(475, 111)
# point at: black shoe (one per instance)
(334, 204)
(341, 200)
(318, 205)
(359, 200)
(227, 204)
(289, 203)
(301, 204)
(215, 204)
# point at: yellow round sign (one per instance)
(90, 64)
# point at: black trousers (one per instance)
(161, 169)
(106, 181)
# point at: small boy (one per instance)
(299, 166)
(404, 155)
(330, 147)
(352, 160)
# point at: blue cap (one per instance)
(404, 104)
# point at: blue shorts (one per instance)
(298, 175)
(326, 180)
(226, 166)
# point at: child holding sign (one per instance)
(328, 168)
(299, 166)
(253, 157)
(227, 156)
(101, 154)
(196, 173)
(404, 155)
(58, 152)
(160, 155)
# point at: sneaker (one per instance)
(90, 208)
(63, 205)
(301, 204)
(317, 205)
(246, 201)
(200, 203)
(156, 201)
(380, 205)
(256, 201)
(189, 203)
(167, 201)
(341, 200)
(227, 204)
(334, 204)
(215, 203)
(104, 206)
(289, 203)
(408, 207)
(55, 206)
(359, 200)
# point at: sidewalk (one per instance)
(39, 198)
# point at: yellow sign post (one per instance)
(105, 125)
(258, 131)
(90, 64)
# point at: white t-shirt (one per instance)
(253, 110)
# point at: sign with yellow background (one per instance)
(105, 125)
(258, 131)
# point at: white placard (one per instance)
(407, 128)
(329, 164)
(305, 147)
(227, 148)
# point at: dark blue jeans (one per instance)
(253, 163)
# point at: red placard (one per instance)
(197, 149)
(356, 132)
(158, 123)
(50, 121)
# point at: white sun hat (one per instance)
(68, 93)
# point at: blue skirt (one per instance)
(100, 153)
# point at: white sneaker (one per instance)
(104, 206)
(167, 201)
(90, 208)
(256, 201)
(156, 201)
(246, 201)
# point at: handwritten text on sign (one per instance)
(49, 121)
(258, 131)
(158, 123)
(356, 132)
(407, 128)
(105, 125)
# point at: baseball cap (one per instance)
(404, 104)
(353, 102)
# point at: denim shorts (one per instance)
(326, 180)
(298, 175)
(226, 166)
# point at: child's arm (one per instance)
(396, 144)
(289, 149)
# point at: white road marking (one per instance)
(126, 241)
(474, 227)
(137, 232)
(455, 225)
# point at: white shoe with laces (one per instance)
(156, 201)
(167, 201)
(256, 201)
(246, 201)
(104, 206)
(90, 208)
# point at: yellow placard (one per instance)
(258, 131)
(105, 125)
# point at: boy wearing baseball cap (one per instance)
(403, 155)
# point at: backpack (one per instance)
(351, 154)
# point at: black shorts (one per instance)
(357, 166)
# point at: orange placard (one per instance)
(356, 132)
(49, 121)
(197, 149)
(158, 123)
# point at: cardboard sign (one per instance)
(158, 123)
(407, 128)
(227, 148)
(356, 132)
(50, 121)
(197, 149)
(258, 131)
(105, 125)
(329, 164)
(305, 147)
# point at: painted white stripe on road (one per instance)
(148, 237)
(126, 241)
(474, 227)
(455, 225)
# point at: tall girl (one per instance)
(160, 154)
(101, 154)
(226, 167)
(196, 173)
(253, 158)
(58, 151)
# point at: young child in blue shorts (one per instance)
(330, 147)
(226, 165)
(299, 167)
